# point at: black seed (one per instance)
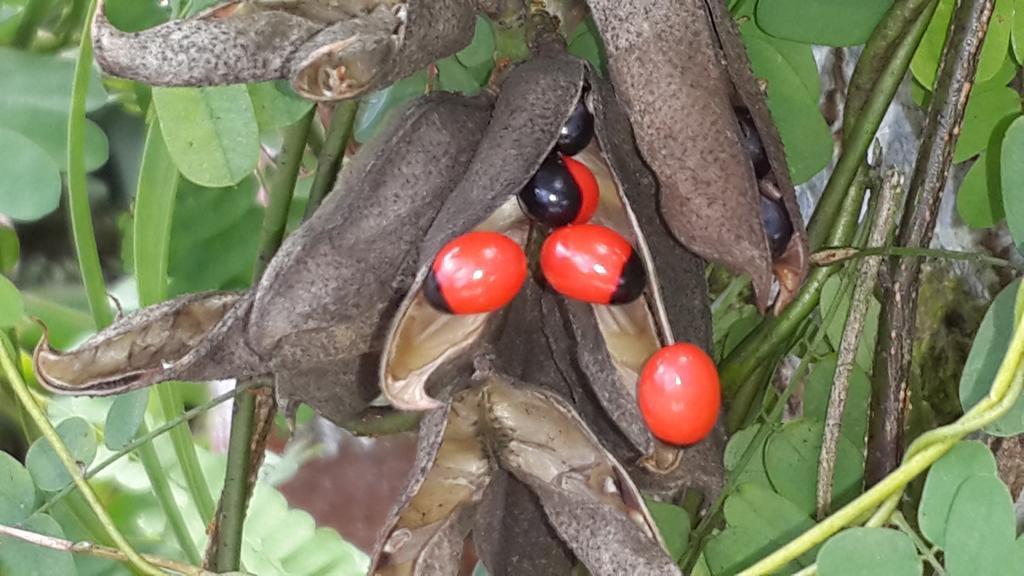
(552, 197)
(631, 281)
(752, 143)
(432, 292)
(577, 132)
(777, 226)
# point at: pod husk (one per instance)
(687, 131)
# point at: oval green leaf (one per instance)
(276, 104)
(211, 132)
(987, 111)
(997, 40)
(12, 309)
(674, 525)
(855, 412)
(791, 460)
(44, 465)
(27, 559)
(987, 351)
(875, 551)
(1012, 178)
(1017, 31)
(124, 419)
(925, 62)
(828, 22)
(17, 491)
(979, 199)
(981, 530)
(30, 188)
(966, 459)
(10, 249)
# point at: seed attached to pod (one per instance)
(592, 263)
(777, 225)
(577, 131)
(563, 191)
(679, 394)
(752, 143)
(475, 273)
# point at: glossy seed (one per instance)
(752, 143)
(475, 273)
(679, 394)
(577, 131)
(563, 191)
(592, 263)
(777, 225)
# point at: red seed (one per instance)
(679, 394)
(475, 273)
(592, 263)
(590, 194)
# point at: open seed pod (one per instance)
(534, 445)
(329, 50)
(317, 318)
(689, 133)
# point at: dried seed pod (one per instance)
(317, 317)
(690, 135)
(329, 50)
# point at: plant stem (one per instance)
(90, 549)
(928, 448)
(887, 209)
(329, 160)
(147, 438)
(162, 491)
(226, 535)
(39, 418)
(859, 138)
(78, 189)
(898, 318)
(376, 421)
(900, 522)
(831, 256)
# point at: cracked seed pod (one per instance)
(328, 49)
(531, 440)
(690, 135)
(317, 318)
(599, 349)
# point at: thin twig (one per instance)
(376, 421)
(328, 162)
(926, 551)
(90, 549)
(899, 307)
(887, 208)
(39, 418)
(832, 256)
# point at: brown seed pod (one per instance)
(689, 134)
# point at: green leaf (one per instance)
(986, 111)
(135, 15)
(875, 551)
(10, 249)
(478, 57)
(981, 529)
(12, 309)
(586, 44)
(791, 459)
(42, 461)
(211, 133)
(829, 22)
(454, 77)
(151, 224)
(124, 419)
(1017, 30)
(925, 62)
(855, 413)
(30, 188)
(990, 345)
(1012, 178)
(753, 472)
(374, 108)
(674, 524)
(26, 559)
(759, 521)
(17, 492)
(965, 460)
(997, 40)
(866, 347)
(979, 199)
(276, 105)
(792, 100)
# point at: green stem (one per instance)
(162, 490)
(147, 438)
(928, 448)
(36, 413)
(858, 140)
(227, 549)
(78, 190)
(923, 549)
(329, 160)
(31, 16)
(834, 256)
